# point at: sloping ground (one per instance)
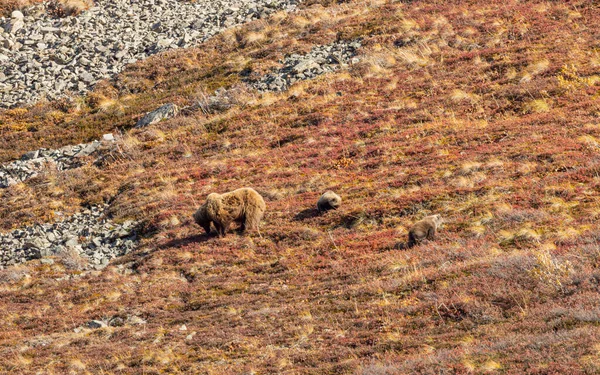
(486, 114)
(48, 57)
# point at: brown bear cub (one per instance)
(328, 201)
(424, 229)
(244, 206)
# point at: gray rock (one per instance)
(49, 29)
(95, 324)
(162, 113)
(320, 60)
(305, 65)
(36, 243)
(88, 77)
(72, 242)
(89, 149)
(31, 155)
(17, 15)
(13, 26)
(34, 162)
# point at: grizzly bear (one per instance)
(424, 229)
(244, 206)
(328, 201)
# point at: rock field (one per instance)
(34, 162)
(320, 60)
(88, 234)
(47, 57)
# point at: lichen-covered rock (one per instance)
(161, 113)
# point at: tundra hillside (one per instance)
(486, 114)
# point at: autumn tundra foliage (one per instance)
(485, 113)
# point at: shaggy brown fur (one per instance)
(244, 206)
(426, 228)
(329, 201)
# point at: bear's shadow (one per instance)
(306, 214)
(179, 242)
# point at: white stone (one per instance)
(17, 15)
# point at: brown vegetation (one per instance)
(485, 114)
(8, 6)
(63, 8)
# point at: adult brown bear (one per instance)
(244, 206)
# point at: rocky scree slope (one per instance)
(320, 60)
(89, 233)
(50, 57)
(34, 162)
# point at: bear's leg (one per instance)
(252, 218)
(219, 228)
(243, 226)
(412, 241)
(224, 228)
(431, 234)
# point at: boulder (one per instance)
(95, 324)
(17, 15)
(13, 26)
(162, 113)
